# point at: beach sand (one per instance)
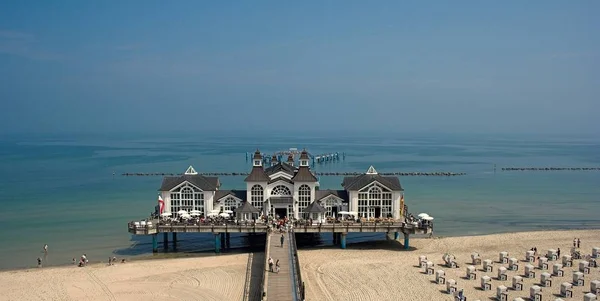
(385, 272)
(365, 271)
(203, 278)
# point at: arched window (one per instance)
(303, 199)
(375, 202)
(257, 196)
(332, 206)
(230, 203)
(281, 190)
(187, 198)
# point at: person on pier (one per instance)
(282, 239)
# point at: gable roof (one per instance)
(257, 175)
(280, 166)
(246, 208)
(284, 179)
(314, 207)
(240, 194)
(200, 181)
(321, 194)
(358, 182)
(304, 175)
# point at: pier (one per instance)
(293, 152)
(396, 173)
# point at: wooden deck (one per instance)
(281, 285)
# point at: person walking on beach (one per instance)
(558, 252)
(574, 242)
(282, 239)
(578, 242)
(39, 260)
(277, 266)
(270, 264)
(46, 248)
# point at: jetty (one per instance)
(293, 152)
(550, 168)
(396, 173)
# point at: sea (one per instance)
(68, 191)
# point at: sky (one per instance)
(206, 66)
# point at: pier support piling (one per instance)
(343, 240)
(228, 240)
(175, 241)
(335, 239)
(166, 241)
(154, 243)
(396, 235)
(222, 241)
(406, 241)
(217, 243)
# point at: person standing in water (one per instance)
(46, 248)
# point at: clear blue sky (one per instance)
(453, 66)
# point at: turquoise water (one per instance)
(61, 190)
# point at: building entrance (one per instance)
(281, 212)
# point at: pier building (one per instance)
(285, 190)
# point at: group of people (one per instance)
(576, 242)
(271, 265)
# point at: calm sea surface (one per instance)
(61, 190)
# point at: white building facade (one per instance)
(285, 190)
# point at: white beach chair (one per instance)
(429, 268)
(557, 270)
(502, 293)
(543, 263)
(546, 279)
(475, 258)
(535, 293)
(595, 287)
(552, 255)
(440, 277)
(517, 283)
(502, 273)
(567, 260)
(513, 264)
(566, 290)
(487, 265)
(530, 256)
(584, 267)
(529, 271)
(595, 252)
(486, 283)
(451, 286)
(578, 279)
(503, 257)
(589, 297)
(471, 275)
(422, 261)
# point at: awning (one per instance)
(281, 200)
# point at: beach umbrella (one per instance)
(422, 215)
(343, 212)
(224, 214)
(228, 211)
(214, 211)
(213, 214)
(165, 214)
(182, 212)
(428, 218)
(195, 213)
(352, 213)
(186, 216)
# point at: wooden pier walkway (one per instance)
(281, 285)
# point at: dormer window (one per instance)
(257, 162)
(303, 162)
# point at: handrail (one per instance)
(266, 264)
(248, 277)
(299, 285)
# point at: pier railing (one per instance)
(396, 173)
(299, 283)
(265, 284)
(248, 277)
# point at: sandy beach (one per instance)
(385, 272)
(205, 278)
(366, 271)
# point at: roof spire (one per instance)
(371, 170)
(190, 171)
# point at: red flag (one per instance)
(161, 204)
